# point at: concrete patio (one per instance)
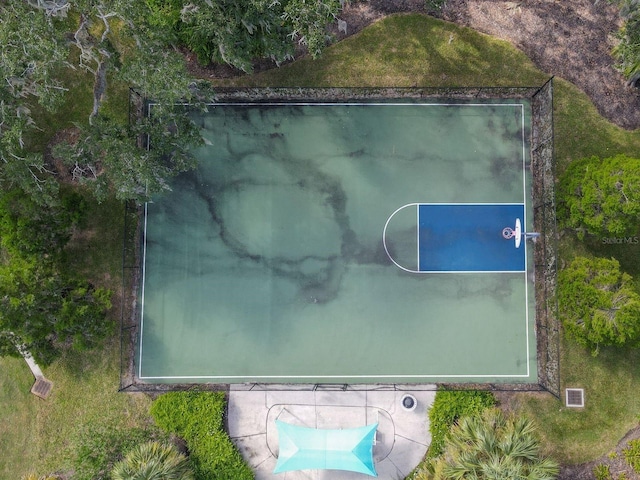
(402, 437)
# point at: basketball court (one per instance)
(325, 242)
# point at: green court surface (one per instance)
(267, 263)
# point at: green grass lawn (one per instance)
(612, 395)
(18, 418)
(404, 50)
(611, 379)
(85, 398)
(581, 132)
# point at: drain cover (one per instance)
(574, 397)
(409, 402)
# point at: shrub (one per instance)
(601, 196)
(598, 304)
(602, 472)
(632, 454)
(448, 407)
(185, 413)
(197, 417)
(153, 460)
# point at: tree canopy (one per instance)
(32, 53)
(42, 307)
(134, 43)
(238, 32)
(111, 39)
(601, 196)
(598, 304)
(108, 158)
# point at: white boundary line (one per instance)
(355, 104)
(384, 237)
(465, 203)
(250, 377)
(222, 377)
(144, 272)
(526, 254)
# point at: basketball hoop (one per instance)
(508, 233)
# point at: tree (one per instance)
(29, 61)
(153, 461)
(234, 32)
(30, 57)
(135, 161)
(492, 446)
(598, 305)
(238, 32)
(307, 21)
(108, 158)
(43, 307)
(49, 312)
(135, 43)
(32, 61)
(113, 158)
(601, 197)
(30, 229)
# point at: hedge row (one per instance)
(197, 417)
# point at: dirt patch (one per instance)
(572, 40)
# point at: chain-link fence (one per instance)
(545, 250)
(131, 281)
(378, 94)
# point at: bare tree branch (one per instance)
(53, 8)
